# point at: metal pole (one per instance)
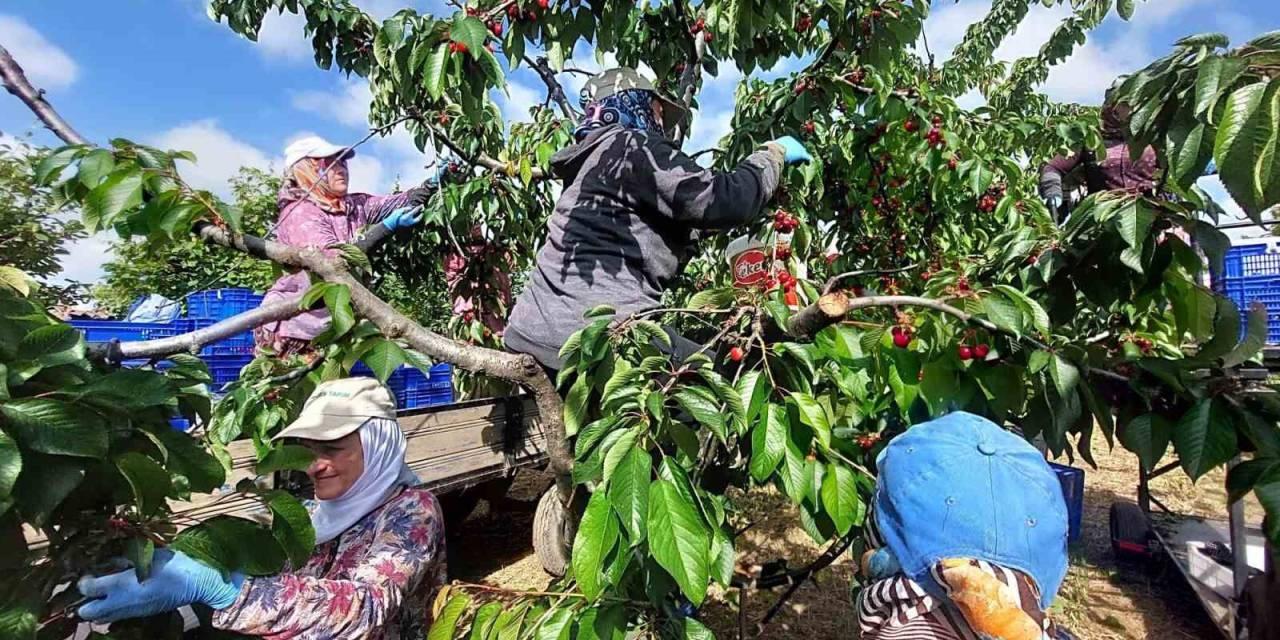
(1239, 556)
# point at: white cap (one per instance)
(338, 407)
(312, 147)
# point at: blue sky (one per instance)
(159, 71)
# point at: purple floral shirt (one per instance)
(375, 581)
(302, 223)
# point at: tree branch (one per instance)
(554, 90)
(191, 342)
(520, 369)
(831, 284)
(480, 159)
(15, 80)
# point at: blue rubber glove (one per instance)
(402, 218)
(442, 170)
(880, 563)
(176, 581)
(794, 152)
(1211, 169)
(1054, 203)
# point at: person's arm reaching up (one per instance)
(680, 189)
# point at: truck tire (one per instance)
(552, 540)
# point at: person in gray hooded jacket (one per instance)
(631, 211)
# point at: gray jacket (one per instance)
(623, 230)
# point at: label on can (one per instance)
(749, 267)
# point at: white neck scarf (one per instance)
(384, 473)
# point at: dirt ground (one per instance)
(1100, 599)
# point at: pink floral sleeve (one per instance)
(404, 553)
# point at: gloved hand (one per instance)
(793, 151)
(402, 218)
(1054, 203)
(1212, 168)
(419, 196)
(176, 580)
(441, 171)
(879, 563)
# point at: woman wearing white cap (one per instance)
(380, 550)
(316, 210)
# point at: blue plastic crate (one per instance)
(1233, 262)
(1254, 276)
(108, 330)
(180, 424)
(220, 304)
(225, 369)
(1072, 480)
(428, 390)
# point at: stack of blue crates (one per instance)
(1251, 273)
(226, 357)
(413, 389)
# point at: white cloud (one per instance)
(84, 259)
(366, 174)
(520, 98)
(47, 66)
(283, 37)
(349, 105)
(708, 127)
(219, 155)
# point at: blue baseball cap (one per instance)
(962, 487)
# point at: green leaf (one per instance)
(575, 405)
(694, 630)
(338, 299)
(384, 358)
(596, 537)
(600, 310)
(125, 389)
(814, 415)
(445, 626)
(314, 294)
(722, 557)
(433, 74)
(1242, 141)
(1033, 310)
(1254, 339)
(291, 526)
(768, 442)
(1215, 76)
(1147, 436)
(469, 31)
(840, 498)
(49, 341)
(1065, 375)
(629, 492)
(354, 256)
(94, 166)
(105, 202)
(678, 539)
(1242, 478)
(149, 481)
(294, 457)
(50, 168)
(1003, 313)
(139, 553)
(617, 450)
(10, 464)
(753, 388)
(1133, 221)
(51, 426)
(558, 625)
(1125, 8)
(186, 456)
(484, 621)
(649, 331)
(232, 544)
(1268, 493)
(1204, 438)
(702, 405)
(719, 298)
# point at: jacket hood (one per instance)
(568, 162)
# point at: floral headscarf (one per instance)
(631, 108)
(305, 180)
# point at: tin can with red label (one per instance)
(748, 262)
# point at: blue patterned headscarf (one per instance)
(631, 108)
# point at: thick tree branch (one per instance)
(191, 342)
(516, 368)
(554, 90)
(15, 80)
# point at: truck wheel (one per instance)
(552, 539)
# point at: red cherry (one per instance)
(951, 164)
(809, 127)
(707, 36)
(901, 340)
(965, 352)
(496, 28)
(876, 13)
(982, 351)
(543, 4)
(803, 23)
(471, 11)
(937, 121)
(735, 354)
(799, 87)
(911, 126)
(513, 10)
(488, 46)
(859, 290)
